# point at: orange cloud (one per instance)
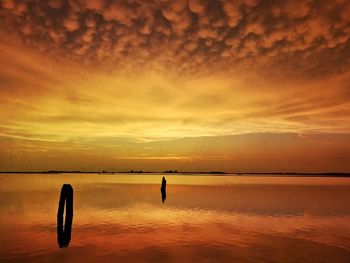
(83, 72)
(240, 30)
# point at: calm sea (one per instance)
(121, 218)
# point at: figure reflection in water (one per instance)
(66, 201)
(163, 189)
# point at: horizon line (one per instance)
(178, 172)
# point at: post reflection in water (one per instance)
(163, 189)
(66, 201)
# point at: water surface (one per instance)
(203, 219)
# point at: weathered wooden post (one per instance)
(163, 189)
(66, 200)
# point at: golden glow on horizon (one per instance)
(54, 101)
(150, 106)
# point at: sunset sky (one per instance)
(191, 85)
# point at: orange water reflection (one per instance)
(222, 220)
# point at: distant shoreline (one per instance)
(212, 173)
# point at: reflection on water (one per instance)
(211, 219)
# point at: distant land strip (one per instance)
(325, 174)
